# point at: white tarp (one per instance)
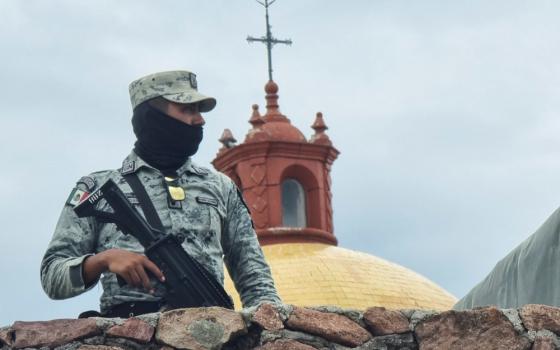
(530, 274)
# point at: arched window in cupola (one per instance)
(293, 204)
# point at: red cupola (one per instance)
(284, 178)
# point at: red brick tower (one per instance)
(284, 178)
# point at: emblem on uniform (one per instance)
(175, 193)
(132, 198)
(174, 189)
(171, 204)
(76, 196)
(207, 200)
(192, 78)
(128, 167)
(89, 182)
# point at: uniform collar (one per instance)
(133, 162)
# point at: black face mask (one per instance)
(162, 141)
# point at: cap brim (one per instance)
(206, 104)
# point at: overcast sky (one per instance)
(445, 114)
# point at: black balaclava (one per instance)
(163, 141)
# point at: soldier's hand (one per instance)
(132, 267)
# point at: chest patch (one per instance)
(207, 200)
(132, 198)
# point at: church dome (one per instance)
(286, 183)
(282, 131)
(313, 274)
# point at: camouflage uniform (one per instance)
(213, 220)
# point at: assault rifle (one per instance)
(188, 283)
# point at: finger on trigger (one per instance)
(136, 280)
(154, 269)
(144, 278)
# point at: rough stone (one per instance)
(285, 310)
(285, 345)
(543, 333)
(267, 336)
(247, 315)
(335, 346)
(543, 343)
(268, 318)
(417, 316)
(6, 336)
(537, 317)
(247, 341)
(151, 319)
(106, 323)
(352, 314)
(381, 321)
(129, 344)
(485, 328)
(52, 333)
(395, 341)
(305, 338)
(134, 329)
(99, 347)
(325, 328)
(97, 340)
(513, 317)
(70, 346)
(311, 340)
(336, 328)
(199, 328)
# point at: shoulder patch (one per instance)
(89, 182)
(76, 196)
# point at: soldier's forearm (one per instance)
(93, 267)
(62, 277)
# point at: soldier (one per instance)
(212, 218)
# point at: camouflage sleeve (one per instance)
(243, 255)
(61, 267)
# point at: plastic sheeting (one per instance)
(530, 274)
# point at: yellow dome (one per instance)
(312, 274)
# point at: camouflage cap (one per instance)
(177, 86)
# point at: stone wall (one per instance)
(286, 327)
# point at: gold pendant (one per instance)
(176, 192)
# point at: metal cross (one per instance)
(269, 40)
